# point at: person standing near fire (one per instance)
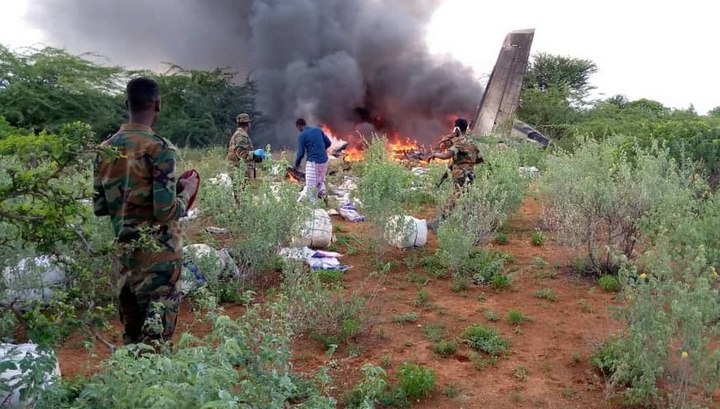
(315, 143)
(241, 147)
(464, 155)
(135, 184)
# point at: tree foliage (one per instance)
(46, 88)
(553, 90)
(199, 107)
(42, 89)
(551, 72)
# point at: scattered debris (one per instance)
(199, 257)
(418, 171)
(191, 215)
(346, 206)
(222, 179)
(294, 174)
(316, 259)
(216, 230)
(529, 171)
(349, 213)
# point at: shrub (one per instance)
(434, 332)
(329, 276)
(408, 317)
(415, 380)
(609, 283)
(547, 294)
(537, 239)
(501, 281)
(491, 315)
(206, 368)
(368, 391)
(480, 210)
(501, 239)
(380, 190)
(675, 304)
(325, 315)
(484, 265)
(266, 216)
(445, 348)
(596, 198)
(485, 339)
(516, 317)
(422, 299)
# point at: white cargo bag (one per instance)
(12, 377)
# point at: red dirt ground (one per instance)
(553, 348)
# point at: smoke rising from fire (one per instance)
(349, 64)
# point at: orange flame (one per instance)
(397, 146)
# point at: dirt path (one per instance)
(547, 366)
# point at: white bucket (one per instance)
(12, 377)
(407, 231)
(317, 232)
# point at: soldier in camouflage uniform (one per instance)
(465, 155)
(134, 182)
(241, 147)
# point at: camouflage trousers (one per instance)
(462, 177)
(149, 302)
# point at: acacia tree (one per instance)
(199, 107)
(555, 87)
(43, 89)
(46, 88)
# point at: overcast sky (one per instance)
(666, 50)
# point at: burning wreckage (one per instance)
(495, 114)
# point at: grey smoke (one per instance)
(339, 62)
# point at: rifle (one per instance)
(442, 179)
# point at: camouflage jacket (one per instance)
(241, 148)
(136, 187)
(465, 153)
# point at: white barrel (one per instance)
(406, 231)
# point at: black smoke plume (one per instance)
(344, 63)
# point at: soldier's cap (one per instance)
(243, 118)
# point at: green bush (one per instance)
(516, 317)
(408, 317)
(501, 281)
(329, 276)
(676, 304)
(485, 339)
(485, 265)
(546, 294)
(609, 283)
(597, 197)
(434, 332)
(480, 210)
(324, 314)
(501, 239)
(367, 392)
(491, 315)
(445, 348)
(382, 184)
(415, 380)
(266, 216)
(537, 239)
(206, 369)
(8, 326)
